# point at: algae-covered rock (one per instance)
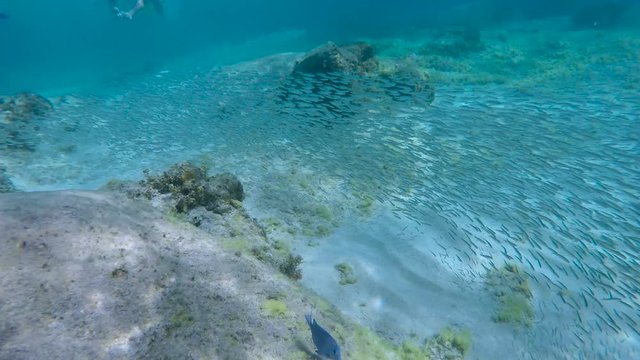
(333, 58)
(213, 204)
(274, 308)
(449, 344)
(347, 277)
(190, 187)
(459, 339)
(510, 287)
(5, 183)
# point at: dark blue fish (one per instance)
(326, 345)
(3, 16)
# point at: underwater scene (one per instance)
(408, 179)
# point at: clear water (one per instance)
(546, 176)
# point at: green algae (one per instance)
(274, 308)
(411, 351)
(238, 243)
(514, 309)
(119, 272)
(181, 317)
(458, 338)
(278, 254)
(318, 231)
(290, 266)
(322, 231)
(365, 205)
(347, 276)
(324, 213)
(510, 287)
(365, 346)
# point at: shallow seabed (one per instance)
(545, 177)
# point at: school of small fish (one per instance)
(546, 178)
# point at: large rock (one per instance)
(332, 58)
(97, 275)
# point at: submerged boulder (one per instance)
(330, 57)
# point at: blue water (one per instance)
(544, 175)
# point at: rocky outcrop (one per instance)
(98, 275)
(213, 204)
(189, 187)
(328, 58)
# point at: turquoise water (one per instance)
(534, 168)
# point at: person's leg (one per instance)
(129, 14)
(139, 5)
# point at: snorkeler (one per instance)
(137, 7)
